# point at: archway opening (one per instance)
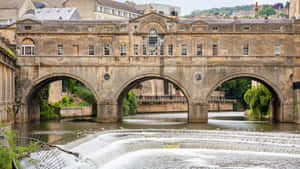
(244, 98)
(60, 97)
(155, 99)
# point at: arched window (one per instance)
(153, 42)
(28, 48)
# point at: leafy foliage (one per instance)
(266, 10)
(258, 99)
(130, 104)
(81, 91)
(8, 153)
(235, 89)
(224, 10)
(66, 102)
(46, 110)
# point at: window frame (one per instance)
(91, 50)
(135, 49)
(277, 50)
(60, 50)
(32, 50)
(170, 50)
(215, 49)
(106, 50)
(123, 50)
(184, 50)
(199, 52)
(245, 49)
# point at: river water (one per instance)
(166, 141)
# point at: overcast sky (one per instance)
(187, 6)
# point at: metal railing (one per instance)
(177, 99)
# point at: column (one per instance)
(198, 112)
(108, 112)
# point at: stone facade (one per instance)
(111, 57)
(7, 86)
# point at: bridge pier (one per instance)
(198, 113)
(108, 112)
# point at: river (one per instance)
(166, 141)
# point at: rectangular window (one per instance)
(162, 39)
(184, 50)
(28, 50)
(136, 50)
(277, 50)
(215, 50)
(123, 50)
(111, 11)
(144, 41)
(246, 49)
(106, 50)
(199, 50)
(105, 10)
(170, 50)
(60, 50)
(91, 50)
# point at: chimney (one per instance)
(256, 10)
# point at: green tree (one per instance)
(266, 10)
(236, 89)
(130, 104)
(258, 98)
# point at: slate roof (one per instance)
(56, 14)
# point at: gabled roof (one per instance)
(118, 5)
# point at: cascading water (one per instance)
(185, 149)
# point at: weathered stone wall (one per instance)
(74, 111)
(7, 86)
(165, 107)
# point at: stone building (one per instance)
(103, 9)
(7, 85)
(294, 8)
(162, 9)
(11, 10)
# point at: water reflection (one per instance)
(63, 131)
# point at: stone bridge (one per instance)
(110, 78)
(197, 55)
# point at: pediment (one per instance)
(28, 21)
(153, 17)
(199, 22)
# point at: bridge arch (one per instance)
(30, 97)
(129, 84)
(277, 114)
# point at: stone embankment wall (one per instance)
(65, 112)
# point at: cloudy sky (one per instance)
(189, 5)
